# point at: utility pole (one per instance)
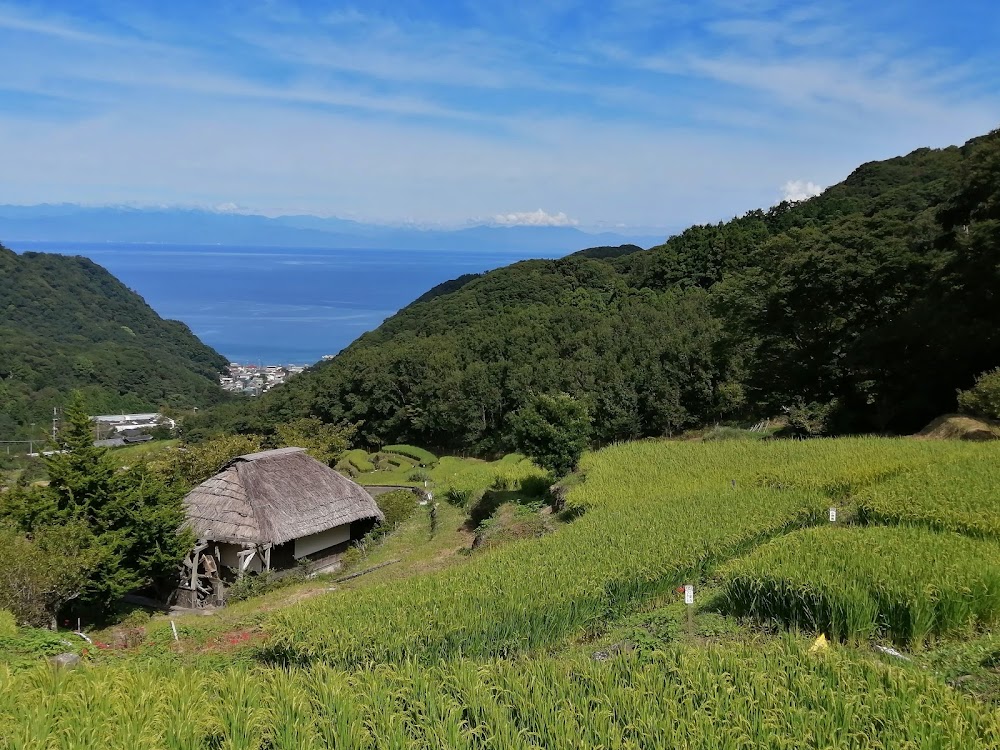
(55, 421)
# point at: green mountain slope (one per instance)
(66, 323)
(869, 305)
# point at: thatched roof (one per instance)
(275, 496)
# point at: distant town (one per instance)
(253, 380)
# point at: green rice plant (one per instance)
(955, 492)
(658, 514)
(856, 583)
(360, 460)
(423, 457)
(734, 696)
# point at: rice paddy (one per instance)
(492, 652)
(710, 698)
(907, 584)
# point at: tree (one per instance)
(983, 399)
(41, 573)
(324, 442)
(189, 465)
(552, 431)
(132, 514)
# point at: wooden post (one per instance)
(267, 557)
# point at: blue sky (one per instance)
(624, 113)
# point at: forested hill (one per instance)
(66, 323)
(864, 309)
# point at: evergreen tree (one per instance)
(133, 514)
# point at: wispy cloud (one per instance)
(632, 111)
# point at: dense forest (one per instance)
(66, 323)
(863, 309)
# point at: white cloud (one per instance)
(800, 190)
(537, 218)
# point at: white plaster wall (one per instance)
(315, 542)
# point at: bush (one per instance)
(396, 506)
(810, 420)
(418, 476)
(983, 399)
(252, 585)
(351, 557)
(424, 457)
(137, 618)
(535, 486)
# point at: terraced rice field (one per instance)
(491, 653)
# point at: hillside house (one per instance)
(267, 511)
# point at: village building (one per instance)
(267, 511)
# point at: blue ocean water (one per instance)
(276, 305)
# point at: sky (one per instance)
(637, 114)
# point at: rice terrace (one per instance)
(579, 638)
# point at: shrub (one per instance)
(396, 506)
(983, 399)
(535, 486)
(352, 556)
(418, 476)
(810, 419)
(137, 618)
(256, 585)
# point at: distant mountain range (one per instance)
(72, 223)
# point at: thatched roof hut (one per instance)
(273, 497)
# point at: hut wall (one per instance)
(227, 553)
(307, 545)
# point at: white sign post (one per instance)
(833, 515)
(689, 600)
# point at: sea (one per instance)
(279, 306)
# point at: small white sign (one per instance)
(430, 495)
(688, 594)
(833, 515)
